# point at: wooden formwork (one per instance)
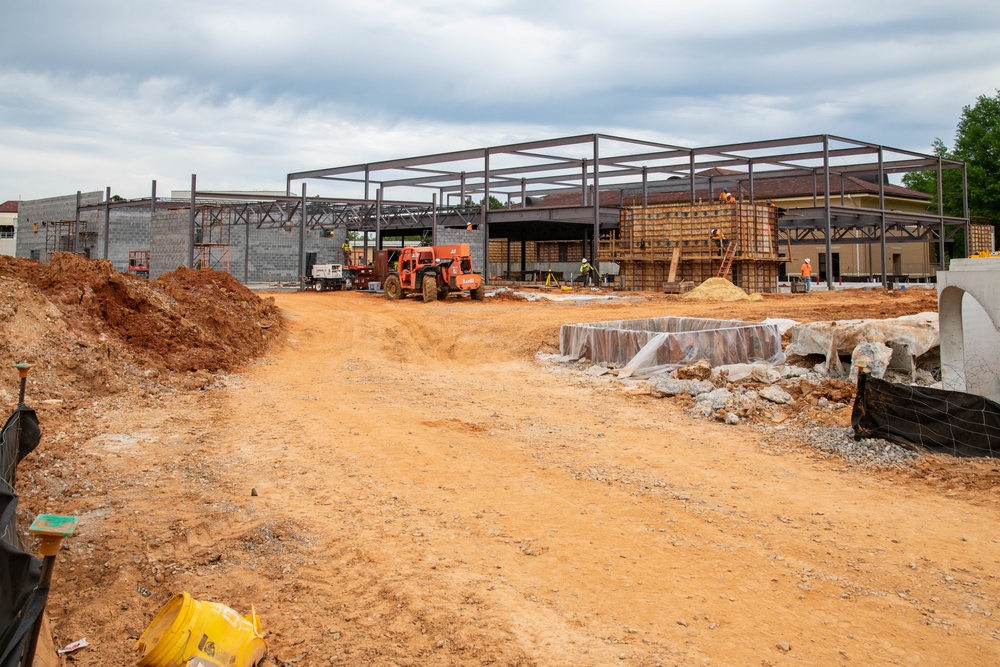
(535, 251)
(648, 237)
(981, 239)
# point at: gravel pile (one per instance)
(870, 451)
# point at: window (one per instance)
(6, 231)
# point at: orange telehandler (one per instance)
(434, 272)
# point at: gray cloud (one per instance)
(116, 93)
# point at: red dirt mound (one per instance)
(91, 328)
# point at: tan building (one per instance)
(8, 228)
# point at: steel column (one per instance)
(597, 200)
(76, 226)
(302, 239)
(753, 205)
(940, 189)
(965, 208)
(691, 174)
(434, 219)
(378, 219)
(246, 254)
(881, 208)
(583, 182)
(645, 188)
(107, 222)
(485, 208)
(524, 193)
(152, 198)
(367, 177)
(826, 211)
(191, 214)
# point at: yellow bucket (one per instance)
(204, 634)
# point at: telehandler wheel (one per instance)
(443, 293)
(393, 290)
(478, 293)
(429, 287)
(318, 285)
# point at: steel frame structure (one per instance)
(588, 163)
(588, 166)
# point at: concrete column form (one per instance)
(969, 326)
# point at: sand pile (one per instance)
(92, 331)
(716, 289)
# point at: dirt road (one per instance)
(430, 493)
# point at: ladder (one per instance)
(727, 260)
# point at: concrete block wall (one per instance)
(31, 243)
(169, 237)
(473, 237)
(130, 230)
(274, 253)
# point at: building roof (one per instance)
(9, 206)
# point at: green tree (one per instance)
(977, 143)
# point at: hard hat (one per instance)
(807, 260)
(725, 189)
(584, 259)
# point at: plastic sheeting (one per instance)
(648, 346)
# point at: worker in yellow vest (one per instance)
(586, 269)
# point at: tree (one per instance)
(977, 143)
(494, 203)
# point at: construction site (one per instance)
(689, 462)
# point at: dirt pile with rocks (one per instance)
(91, 331)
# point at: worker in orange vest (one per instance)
(725, 197)
(806, 270)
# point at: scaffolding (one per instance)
(674, 243)
(67, 236)
(212, 237)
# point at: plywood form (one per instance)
(981, 239)
(536, 251)
(648, 237)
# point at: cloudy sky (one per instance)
(119, 92)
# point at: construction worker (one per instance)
(806, 270)
(585, 270)
(724, 196)
(347, 251)
(719, 240)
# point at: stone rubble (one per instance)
(767, 397)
